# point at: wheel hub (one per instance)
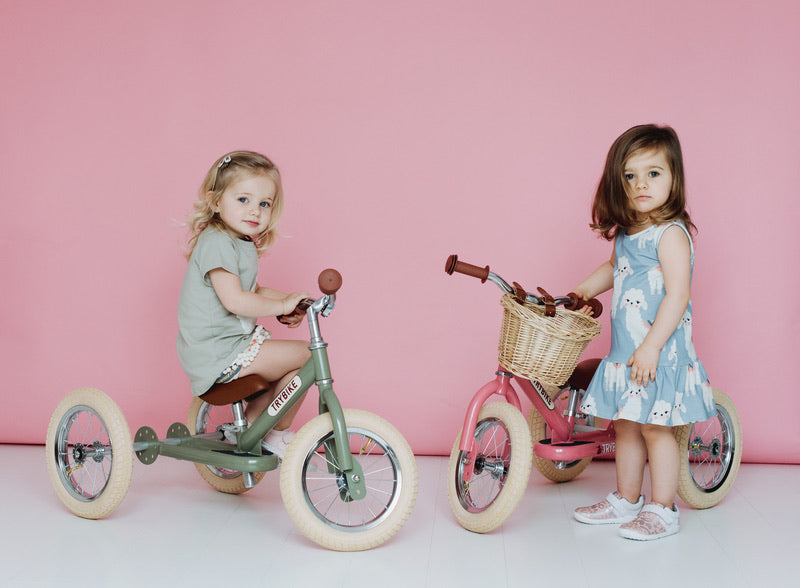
(341, 484)
(715, 449)
(78, 453)
(99, 451)
(495, 466)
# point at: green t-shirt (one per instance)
(210, 336)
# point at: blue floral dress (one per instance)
(681, 392)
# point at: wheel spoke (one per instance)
(710, 451)
(331, 501)
(492, 444)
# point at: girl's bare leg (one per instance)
(630, 459)
(662, 449)
(277, 362)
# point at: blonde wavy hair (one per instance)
(225, 171)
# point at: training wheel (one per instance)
(147, 435)
(177, 431)
(89, 453)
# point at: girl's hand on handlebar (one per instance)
(586, 309)
(292, 316)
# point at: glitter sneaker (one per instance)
(230, 431)
(654, 522)
(611, 511)
(276, 442)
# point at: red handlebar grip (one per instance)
(453, 265)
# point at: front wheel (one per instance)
(89, 453)
(205, 418)
(502, 466)
(711, 452)
(315, 493)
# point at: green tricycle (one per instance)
(348, 479)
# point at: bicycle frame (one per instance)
(563, 445)
(208, 448)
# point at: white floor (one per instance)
(173, 529)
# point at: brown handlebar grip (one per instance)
(301, 308)
(329, 281)
(577, 303)
(453, 265)
(597, 307)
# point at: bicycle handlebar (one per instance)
(453, 265)
(571, 301)
(329, 282)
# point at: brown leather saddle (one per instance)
(244, 388)
(583, 373)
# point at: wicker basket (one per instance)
(542, 348)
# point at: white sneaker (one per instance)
(654, 522)
(612, 511)
(230, 431)
(276, 442)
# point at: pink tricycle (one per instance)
(541, 344)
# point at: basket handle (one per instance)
(453, 265)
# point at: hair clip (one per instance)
(224, 162)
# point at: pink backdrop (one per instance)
(405, 131)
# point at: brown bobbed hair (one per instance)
(611, 210)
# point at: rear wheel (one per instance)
(502, 466)
(89, 453)
(205, 418)
(711, 452)
(562, 471)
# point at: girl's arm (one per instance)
(600, 280)
(270, 293)
(674, 253)
(228, 288)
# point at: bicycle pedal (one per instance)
(569, 451)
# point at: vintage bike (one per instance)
(540, 346)
(348, 479)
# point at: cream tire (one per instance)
(711, 452)
(89, 453)
(203, 418)
(315, 498)
(502, 469)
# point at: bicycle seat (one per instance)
(244, 388)
(583, 373)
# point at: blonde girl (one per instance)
(651, 379)
(234, 221)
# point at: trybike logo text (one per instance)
(284, 395)
(545, 398)
(607, 448)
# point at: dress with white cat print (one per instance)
(681, 392)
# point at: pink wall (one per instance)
(405, 131)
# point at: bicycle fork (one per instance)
(501, 386)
